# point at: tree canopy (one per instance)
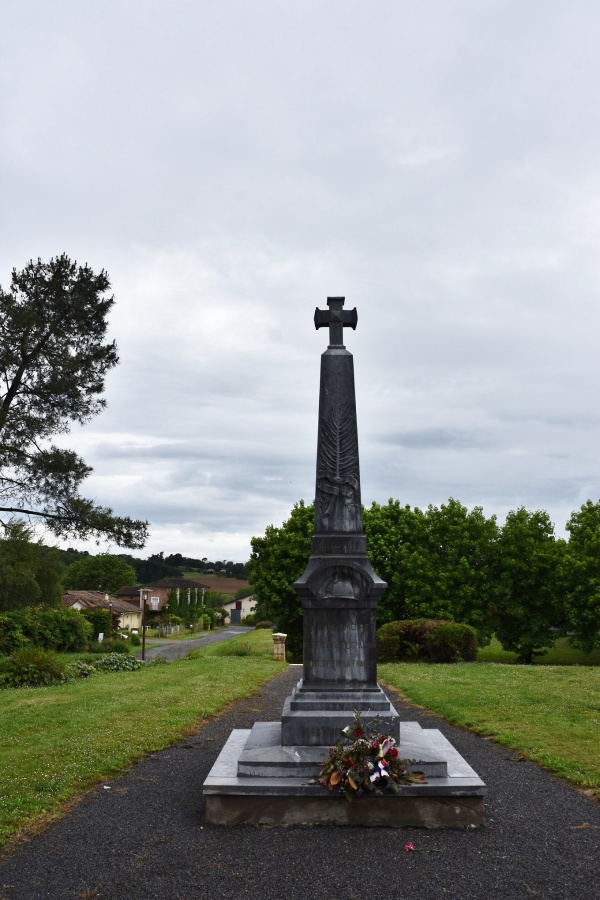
(529, 600)
(104, 572)
(449, 562)
(53, 362)
(30, 573)
(278, 559)
(581, 575)
(438, 563)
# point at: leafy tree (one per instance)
(49, 575)
(70, 556)
(456, 579)
(18, 559)
(395, 540)
(528, 602)
(278, 559)
(53, 361)
(215, 599)
(438, 564)
(29, 572)
(104, 572)
(152, 569)
(581, 576)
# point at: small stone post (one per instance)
(279, 646)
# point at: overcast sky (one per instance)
(231, 164)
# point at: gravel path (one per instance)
(145, 838)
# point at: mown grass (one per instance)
(561, 654)
(57, 741)
(551, 714)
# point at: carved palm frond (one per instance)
(338, 446)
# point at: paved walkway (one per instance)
(170, 650)
(145, 838)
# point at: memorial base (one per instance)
(258, 780)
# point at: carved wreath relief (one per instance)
(337, 506)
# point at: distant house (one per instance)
(156, 593)
(130, 616)
(155, 597)
(182, 585)
(239, 609)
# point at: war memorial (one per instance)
(270, 774)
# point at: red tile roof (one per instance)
(98, 599)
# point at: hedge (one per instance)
(49, 629)
(426, 640)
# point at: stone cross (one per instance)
(337, 319)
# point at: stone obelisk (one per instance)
(269, 774)
(339, 590)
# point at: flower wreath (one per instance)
(366, 762)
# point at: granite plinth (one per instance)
(393, 812)
(257, 780)
(315, 718)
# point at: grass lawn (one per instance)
(551, 714)
(56, 741)
(562, 654)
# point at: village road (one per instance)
(178, 649)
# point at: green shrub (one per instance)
(263, 625)
(116, 662)
(219, 615)
(250, 619)
(31, 667)
(64, 630)
(101, 621)
(451, 642)
(80, 669)
(428, 640)
(11, 634)
(134, 639)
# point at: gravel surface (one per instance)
(146, 838)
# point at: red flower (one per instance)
(409, 846)
(349, 763)
(375, 745)
(358, 732)
(392, 752)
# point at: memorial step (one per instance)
(263, 754)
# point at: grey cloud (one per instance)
(434, 438)
(234, 165)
